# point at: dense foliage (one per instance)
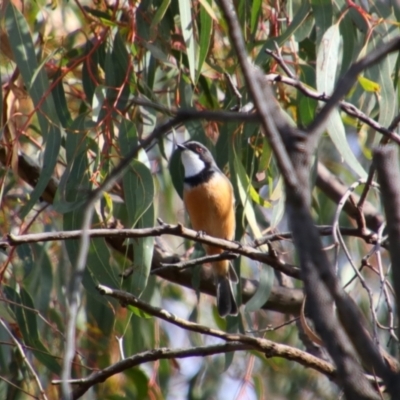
(86, 85)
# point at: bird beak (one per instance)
(181, 146)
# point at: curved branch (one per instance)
(270, 348)
(292, 150)
(147, 356)
(164, 229)
(348, 108)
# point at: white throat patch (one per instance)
(192, 163)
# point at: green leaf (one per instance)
(118, 74)
(42, 354)
(138, 190)
(159, 15)
(138, 312)
(50, 158)
(12, 295)
(279, 209)
(138, 180)
(263, 291)
(323, 13)
(140, 381)
(327, 60)
(337, 133)
(206, 24)
(74, 184)
(38, 86)
(61, 101)
(349, 35)
(382, 74)
(25, 254)
(40, 281)
(98, 261)
(185, 11)
(143, 254)
(27, 324)
(328, 53)
(243, 184)
(368, 85)
(24, 53)
(139, 196)
(72, 195)
(254, 16)
(103, 315)
(30, 315)
(90, 78)
(6, 313)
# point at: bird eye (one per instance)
(199, 149)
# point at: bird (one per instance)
(209, 201)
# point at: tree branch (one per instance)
(270, 348)
(164, 229)
(387, 167)
(335, 190)
(83, 385)
(320, 282)
(348, 108)
(345, 83)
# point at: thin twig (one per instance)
(197, 261)
(270, 348)
(348, 108)
(25, 359)
(84, 384)
(163, 229)
(277, 56)
(335, 226)
(8, 382)
(345, 83)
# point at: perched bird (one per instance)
(209, 201)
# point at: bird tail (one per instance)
(226, 303)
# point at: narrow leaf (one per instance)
(327, 63)
(159, 15)
(323, 13)
(139, 195)
(337, 133)
(185, 11)
(205, 34)
(143, 252)
(36, 81)
(138, 180)
(255, 12)
(262, 294)
(382, 74)
(207, 4)
(263, 291)
(73, 188)
(327, 60)
(243, 187)
(28, 327)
